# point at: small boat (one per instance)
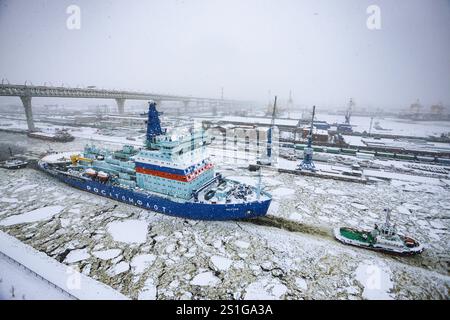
(58, 136)
(13, 164)
(382, 238)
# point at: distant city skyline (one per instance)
(322, 51)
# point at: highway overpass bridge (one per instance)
(26, 93)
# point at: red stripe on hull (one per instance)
(172, 176)
(161, 174)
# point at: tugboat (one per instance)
(13, 163)
(382, 238)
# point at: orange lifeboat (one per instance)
(102, 176)
(91, 172)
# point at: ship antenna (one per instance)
(153, 123)
(388, 215)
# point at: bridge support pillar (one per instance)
(26, 101)
(186, 105)
(120, 105)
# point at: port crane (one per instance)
(307, 162)
(346, 127)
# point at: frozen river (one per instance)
(146, 255)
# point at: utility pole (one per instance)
(272, 127)
(267, 158)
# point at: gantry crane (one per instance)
(307, 162)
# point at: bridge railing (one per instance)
(46, 91)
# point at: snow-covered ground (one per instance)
(146, 255)
(393, 126)
(418, 145)
(19, 284)
(29, 274)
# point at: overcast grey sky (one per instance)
(321, 50)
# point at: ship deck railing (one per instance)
(206, 185)
(78, 175)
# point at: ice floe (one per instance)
(221, 263)
(283, 192)
(107, 254)
(141, 262)
(77, 255)
(119, 268)
(242, 244)
(149, 290)
(26, 187)
(301, 284)
(205, 279)
(32, 216)
(274, 207)
(375, 279)
(359, 206)
(128, 231)
(9, 200)
(265, 289)
(403, 209)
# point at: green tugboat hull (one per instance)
(364, 239)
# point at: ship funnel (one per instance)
(153, 122)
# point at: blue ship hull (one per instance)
(189, 210)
